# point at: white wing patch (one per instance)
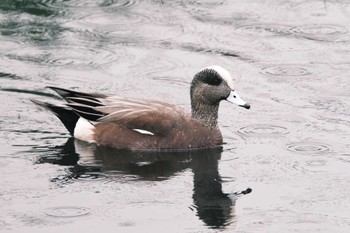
(142, 131)
(225, 75)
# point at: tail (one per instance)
(66, 94)
(67, 116)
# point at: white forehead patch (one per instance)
(225, 75)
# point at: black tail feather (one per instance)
(68, 117)
(86, 112)
(84, 101)
(68, 93)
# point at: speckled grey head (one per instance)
(213, 76)
(213, 84)
(209, 86)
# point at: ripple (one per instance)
(206, 3)
(263, 130)
(200, 49)
(264, 30)
(341, 1)
(338, 119)
(287, 70)
(268, 158)
(74, 55)
(316, 163)
(37, 8)
(132, 27)
(332, 105)
(345, 158)
(67, 211)
(68, 56)
(232, 18)
(146, 33)
(96, 3)
(9, 76)
(319, 29)
(127, 177)
(118, 176)
(341, 66)
(322, 32)
(160, 68)
(117, 3)
(282, 45)
(28, 54)
(110, 21)
(308, 148)
(342, 39)
(91, 176)
(312, 8)
(33, 31)
(8, 45)
(174, 81)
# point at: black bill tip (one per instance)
(246, 105)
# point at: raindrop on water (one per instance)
(320, 32)
(319, 29)
(307, 148)
(264, 30)
(345, 158)
(316, 163)
(67, 211)
(263, 129)
(91, 176)
(287, 70)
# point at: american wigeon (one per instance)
(137, 124)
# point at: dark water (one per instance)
(291, 60)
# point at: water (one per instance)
(291, 62)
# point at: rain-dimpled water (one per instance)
(284, 165)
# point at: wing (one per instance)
(154, 116)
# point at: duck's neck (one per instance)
(205, 113)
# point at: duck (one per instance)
(145, 124)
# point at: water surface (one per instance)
(291, 60)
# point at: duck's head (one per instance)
(213, 84)
(210, 86)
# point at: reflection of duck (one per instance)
(137, 124)
(213, 207)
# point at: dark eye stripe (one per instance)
(214, 81)
(212, 78)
